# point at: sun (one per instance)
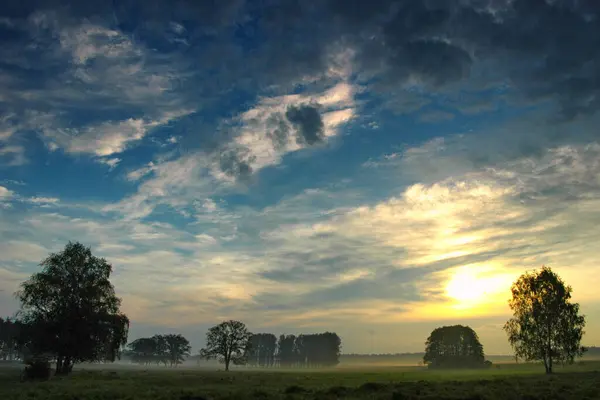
(474, 285)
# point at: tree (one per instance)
(178, 347)
(166, 349)
(287, 350)
(453, 347)
(227, 342)
(261, 349)
(70, 310)
(142, 351)
(545, 326)
(9, 335)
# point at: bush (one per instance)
(487, 364)
(37, 368)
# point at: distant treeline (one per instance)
(10, 348)
(304, 351)
(159, 349)
(265, 350)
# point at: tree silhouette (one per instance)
(309, 350)
(166, 349)
(227, 342)
(287, 350)
(9, 339)
(261, 349)
(545, 326)
(453, 347)
(70, 310)
(178, 348)
(143, 351)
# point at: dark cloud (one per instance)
(543, 50)
(231, 164)
(278, 130)
(546, 49)
(308, 123)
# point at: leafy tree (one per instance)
(261, 349)
(178, 347)
(454, 347)
(142, 351)
(313, 350)
(318, 350)
(70, 309)
(287, 350)
(545, 326)
(166, 349)
(227, 342)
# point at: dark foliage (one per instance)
(37, 368)
(454, 346)
(316, 350)
(69, 310)
(262, 350)
(10, 348)
(159, 349)
(227, 342)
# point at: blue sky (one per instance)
(305, 166)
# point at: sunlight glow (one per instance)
(474, 285)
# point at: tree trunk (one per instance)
(64, 366)
(59, 365)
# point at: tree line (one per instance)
(302, 351)
(10, 330)
(170, 349)
(70, 314)
(230, 342)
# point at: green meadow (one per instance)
(502, 381)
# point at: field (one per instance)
(506, 381)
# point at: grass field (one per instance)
(508, 381)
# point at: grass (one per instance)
(510, 381)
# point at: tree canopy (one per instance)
(545, 325)
(310, 350)
(262, 348)
(70, 311)
(454, 346)
(227, 342)
(171, 349)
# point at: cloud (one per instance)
(118, 90)
(111, 162)
(434, 45)
(285, 124)
(43, 200)
(12, 153)
(15, 250)
(308, 122)
(107, 138)
(5, 194)
(392, 260)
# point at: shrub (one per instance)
(37, 368)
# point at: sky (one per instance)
(376, 168)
